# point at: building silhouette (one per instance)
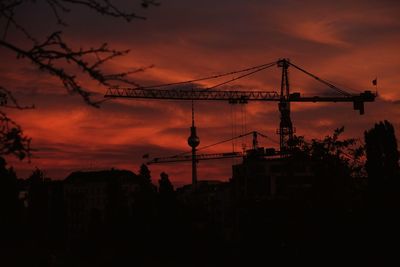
(91, 199)
(265, 175)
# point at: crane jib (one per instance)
(231, 96)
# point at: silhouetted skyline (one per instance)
(314, 205)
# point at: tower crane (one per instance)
(174, 91)
(186, 157)
(193, 142)
(285, 97)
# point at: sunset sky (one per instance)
(348, 42)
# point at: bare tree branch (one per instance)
(9, 101)
(56, 57)
(7, 11)
(53, 54)
(12, 139)
(104, 7)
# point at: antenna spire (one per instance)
(192, 113)
(193, 142)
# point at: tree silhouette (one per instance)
(37, 205)
(327, 211)
(12, 139)
(169, 222)
(165, 186)
(382, 167)
(8, 201)
(54, 55)
(382, 163)
(145, 173)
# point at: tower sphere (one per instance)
(193, 141)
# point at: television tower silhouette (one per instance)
(193, 142)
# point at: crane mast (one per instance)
(285, 130)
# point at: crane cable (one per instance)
(244, 130)
(224, 141)
(242, 76)
(347, 88)
(267, 137)
(233, 130)
(252, 70)
(343, 92)
(256, 68)
(214, 144)
(233, 124)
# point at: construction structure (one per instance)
(199, 157)
(194, 141)
(174, 91)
